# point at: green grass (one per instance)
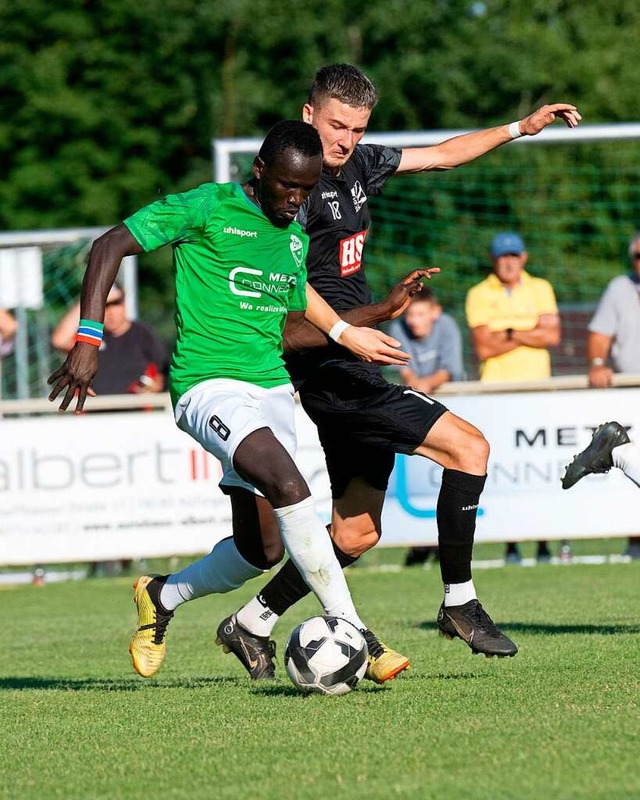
(561, 720)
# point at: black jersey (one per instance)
(336, 218)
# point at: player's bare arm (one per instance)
(74, 377)
(366, 343)
(461, 149)
(299, 334)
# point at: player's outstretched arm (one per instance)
(464, 148)
(75, 375)
(366, 343)
(300, 334)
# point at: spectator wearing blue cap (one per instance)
(513, 319)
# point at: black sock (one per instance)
(154, 587)
(456, 514)
(288, 586)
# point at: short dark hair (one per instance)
(424, 295)
(345, 83)
(290, 134)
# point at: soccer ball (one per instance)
(327, 655)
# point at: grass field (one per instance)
(561, 720)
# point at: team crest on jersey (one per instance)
(351, 253)
(296, 249)
(358, 196)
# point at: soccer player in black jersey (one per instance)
(362, 419)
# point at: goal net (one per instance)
(573, 195)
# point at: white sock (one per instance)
(257, 617)
(457, 594)
(309, 546)
(627, 458)
(221, 571)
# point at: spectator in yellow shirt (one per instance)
(513, 318)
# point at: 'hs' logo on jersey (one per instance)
(351, 253)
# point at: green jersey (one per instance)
(237, 276)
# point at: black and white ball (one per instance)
(327, 655)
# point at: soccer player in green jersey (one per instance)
(240, 269)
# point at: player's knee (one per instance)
(286, 492)
(474, 454)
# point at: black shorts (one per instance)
(363, 421)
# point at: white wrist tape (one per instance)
(514, 130)
(338, 329)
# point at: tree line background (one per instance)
(106, 105)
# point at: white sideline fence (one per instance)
(118, 485)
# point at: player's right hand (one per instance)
(396, 302)
(74, 376)
(372, 346)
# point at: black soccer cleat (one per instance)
(596, 457)
(256, 653)
(471, 623)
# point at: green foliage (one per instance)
(107, 104)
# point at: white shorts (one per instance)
(221, 413)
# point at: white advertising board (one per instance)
(126, 485)
(114, 485)
(532, 436)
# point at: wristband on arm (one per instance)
(338, 329)
(514, 130)
(90, 332)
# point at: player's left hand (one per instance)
(374, 347)
(534, 123)
(396, 302)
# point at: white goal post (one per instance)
(225, 149)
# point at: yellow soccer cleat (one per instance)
(383, 662)
(148, 647)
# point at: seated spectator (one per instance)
(433, 340)
(513, 318)
(132, 357)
